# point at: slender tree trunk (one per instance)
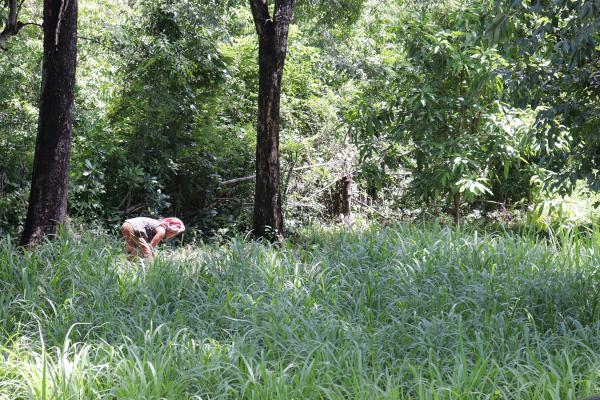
(343, 198)
(48, 198)
(456, 209)
(11, 26)
(272, 46)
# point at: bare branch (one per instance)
(22, 25)
(95, 40)
(19, 8)
(253, 177)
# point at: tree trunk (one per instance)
(456, 209)
(11, 26)
(272, 46)
(343, 198)
(48, 198)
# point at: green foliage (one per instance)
(445, 117)
(330, 13)
(553, 212)
(169, 131)
(188, 99)
(390, 313)
(554, 48)
(174, 69)
(471, 98)
(19, 93)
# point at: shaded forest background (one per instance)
(481, 109)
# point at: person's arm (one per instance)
(160, 235)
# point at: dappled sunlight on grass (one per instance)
(373, 312)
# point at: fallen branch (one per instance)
(131, 209)
(239, 180)
(392, 215)
(372, 209)
(289, 176)
(306, 205)
(328, 186)
(253, 177)
(95, 40)
(314, 166)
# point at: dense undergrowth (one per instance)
(382, 312)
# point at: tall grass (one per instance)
(379, 313)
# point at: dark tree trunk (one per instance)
(48, 198)
(343, 198)
(11, 25)
(272, 46)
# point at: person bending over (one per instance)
(138, 231)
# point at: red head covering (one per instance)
(173, 224)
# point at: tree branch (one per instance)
(13, 26)
(23, 25)
(260, 14)
(11, 23)
(253, 177)
(95, 40)
(284, 10)
(19, 8)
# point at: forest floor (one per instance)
(401, 312)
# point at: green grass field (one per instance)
(377, 313)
